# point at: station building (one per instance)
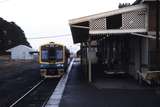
(21, 52)
(125, 40)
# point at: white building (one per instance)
(21, 52)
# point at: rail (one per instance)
(28, 92)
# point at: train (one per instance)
(53, 60)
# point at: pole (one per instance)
(157, 25)
(157, 33)
(81, 54)
(89, 63)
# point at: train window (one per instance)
(59, 54)
(44, 55)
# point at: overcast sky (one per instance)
(39, 18)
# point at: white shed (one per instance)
(21, 52)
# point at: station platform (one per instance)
(104, 93)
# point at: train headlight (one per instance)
(42, 66)
(59, 65)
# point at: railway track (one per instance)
(37, 95)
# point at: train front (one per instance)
(51, 60)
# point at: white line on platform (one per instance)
(56, 96)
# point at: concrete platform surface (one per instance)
(120, 93)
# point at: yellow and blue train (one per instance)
(53, 59)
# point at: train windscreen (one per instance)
(59, 54)
(52, 54)
(44, 55)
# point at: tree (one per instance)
(11, 35)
